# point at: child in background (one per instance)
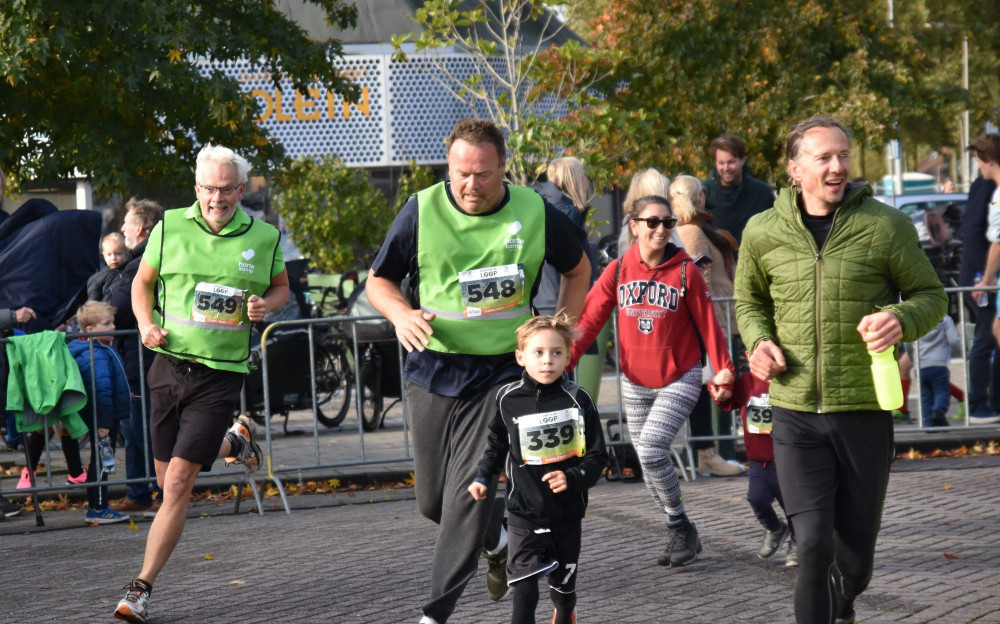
(115, 253)
(935, 377)
(112, 398)
(548, 434)
(751, 396)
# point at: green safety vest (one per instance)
(205, 280)
(477, 271)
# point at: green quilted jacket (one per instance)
(809, 301)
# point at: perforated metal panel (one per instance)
(404, 113)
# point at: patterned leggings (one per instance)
(655, 415)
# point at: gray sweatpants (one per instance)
(449, 439)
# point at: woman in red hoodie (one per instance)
(663, 307)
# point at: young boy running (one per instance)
(548, 434)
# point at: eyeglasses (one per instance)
(222, 190)
(655, 222)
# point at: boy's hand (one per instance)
(724, 377)
(101, 432)
(556, 480)
(478, 490)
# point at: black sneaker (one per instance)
(683, 546)
(9, 509)
(773, 540)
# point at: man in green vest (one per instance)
(472, 248)
(216, 270)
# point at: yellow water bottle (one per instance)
(888, 385)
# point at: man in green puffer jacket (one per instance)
(825, 274)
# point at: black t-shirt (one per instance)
(818, 226)
(456, 374)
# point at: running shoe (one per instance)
(773, 540)
(80, 478)
(791, 555)
(250, 456)
(25, 481)
(105, 516)
(9, 509)
(134, 607)
(496, 575)
(683, 545)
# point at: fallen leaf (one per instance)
(132, 525)
(209, 557)
(237, 582)
(46, 587)
(950, 556)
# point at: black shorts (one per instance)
(838, 461)
(191, 407)
(552, 553)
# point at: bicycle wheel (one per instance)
(371, 397)
(333, 384)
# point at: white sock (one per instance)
(427, 620)
(500, 544)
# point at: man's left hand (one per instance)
(256, 308)
(880, 330)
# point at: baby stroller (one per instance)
(377, 361)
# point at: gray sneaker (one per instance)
(496, 575)
(791, 556)
(683, 545)
(134, 607)
(245, 429)
(773, 540)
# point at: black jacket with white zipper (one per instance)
(530, 501)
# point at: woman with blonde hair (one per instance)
(712, 251)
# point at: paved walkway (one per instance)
(361, 558)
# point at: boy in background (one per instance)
(934, 375)
(548, 434)
(108, 389)
(115, 253)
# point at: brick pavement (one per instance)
(334, 560)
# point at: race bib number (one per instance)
(491, 290)
(217, 304)
(551, 437)
(759, 415)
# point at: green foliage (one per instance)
(415, 178)
(514, 80)
(113, 89)
(335, 216)
(695, 69)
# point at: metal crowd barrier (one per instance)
(275, 471)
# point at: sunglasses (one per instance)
(655, 222)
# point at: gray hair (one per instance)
(222, 156)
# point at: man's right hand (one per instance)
(413, 329)
(153, 336)
(24, 314)
(767, 361)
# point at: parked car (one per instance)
(938, 219)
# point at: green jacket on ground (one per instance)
(809, 301)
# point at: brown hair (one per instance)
(147, 211)
(794, 137)
(731, 144)
(478, 132)
(986, 147)
(559, 323)
(93, 312)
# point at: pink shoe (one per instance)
(25, 481)
(80, 478)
